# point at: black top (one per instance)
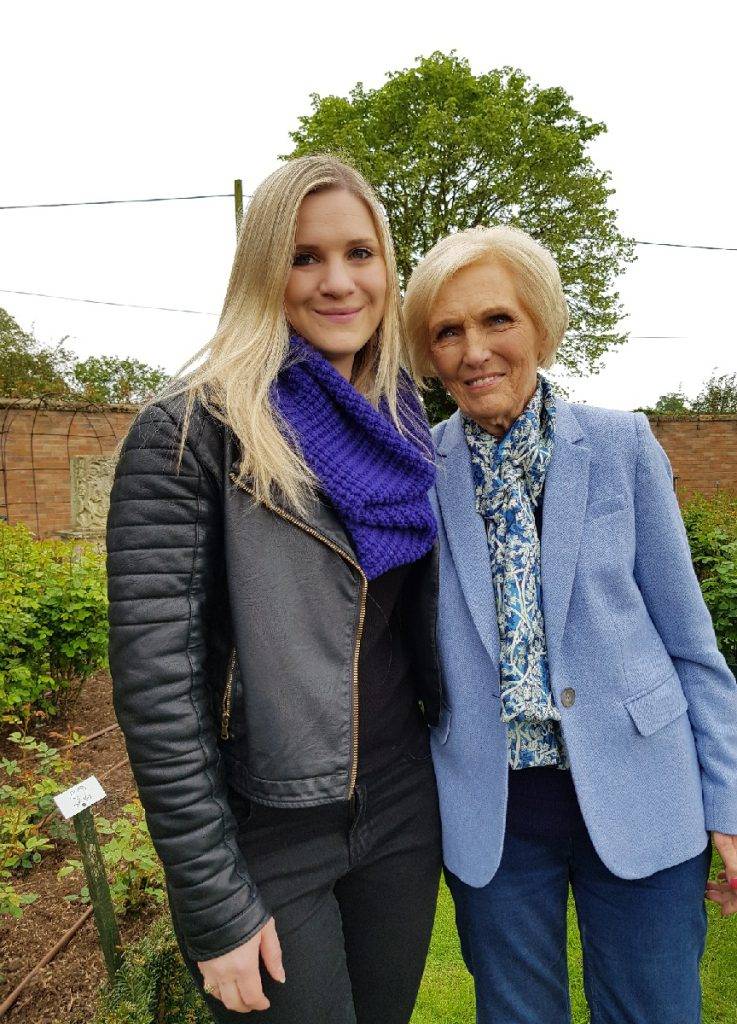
(390, 721)
(542, 801)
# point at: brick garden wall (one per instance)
(37, 441)
(702, 451)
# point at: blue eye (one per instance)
(302, 259)
(361, 253)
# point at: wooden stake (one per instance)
(238, 191)
(102, 903)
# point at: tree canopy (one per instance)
(718, 395)
(673, 403)
(29, 369)
(108, 379)
(447, 149)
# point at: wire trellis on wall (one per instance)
(38, 439)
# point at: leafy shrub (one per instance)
(28, 820)
(153, 984)
(53, 619)
(12, 903)
(711, 524)
(133, 869)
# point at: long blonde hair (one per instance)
(251, 343)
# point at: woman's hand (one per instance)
(724, 890)
(235, 979)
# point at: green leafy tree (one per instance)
(718, 395)
(672, 403)
(109, 379)
(29, 369)
(447, 149)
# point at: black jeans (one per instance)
(352, 888)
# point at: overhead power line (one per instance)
(684, 245)
(112, 202)
(204, 312)
(230, 195)
(103, 302)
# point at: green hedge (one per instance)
(53, 619)
(153, 984)
(711, 524)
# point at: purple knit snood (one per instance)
(376, 478)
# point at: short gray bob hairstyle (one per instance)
(536, 275)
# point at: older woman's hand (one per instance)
(724, 890)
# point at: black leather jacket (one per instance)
(234, 639)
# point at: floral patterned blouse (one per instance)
(509, 475)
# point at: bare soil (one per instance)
(65, 991)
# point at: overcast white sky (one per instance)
(108, 101)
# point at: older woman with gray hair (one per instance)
(589, 736)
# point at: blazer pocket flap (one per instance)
(606, 506)
(658, 707)
(441, 730)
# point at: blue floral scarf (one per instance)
(509, 475)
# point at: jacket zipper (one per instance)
(227, 697)
(361, 617)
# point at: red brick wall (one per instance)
(702, 451)
(36, 442)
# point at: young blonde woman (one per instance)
(273, 579)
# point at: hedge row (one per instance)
(53, 619)
(153, 984)
(711, 524)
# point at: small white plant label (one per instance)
(84, 794)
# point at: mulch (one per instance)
(66, 989)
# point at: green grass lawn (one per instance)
(446, 995)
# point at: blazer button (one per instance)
(568, 697)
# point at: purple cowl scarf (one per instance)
(376, 478)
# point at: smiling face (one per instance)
(336, 289)
(484, 345)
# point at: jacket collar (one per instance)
(564, 512)
(321, 517)
(452, 436)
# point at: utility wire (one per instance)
(683, 245)
(111, 202)
(204, 312)
(229, 195)
(102, 302)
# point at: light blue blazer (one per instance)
(652, 733)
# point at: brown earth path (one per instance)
(65, 991)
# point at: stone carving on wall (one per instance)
(91, 478)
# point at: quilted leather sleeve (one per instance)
(164, 543)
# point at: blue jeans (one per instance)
(642, 939)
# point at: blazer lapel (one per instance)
(466, 533)
(564, 512)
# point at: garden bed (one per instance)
(67, 988)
